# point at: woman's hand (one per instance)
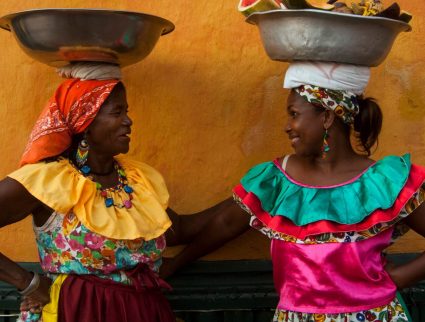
(39, 298)
(397, 275)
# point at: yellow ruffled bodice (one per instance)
(61, 187)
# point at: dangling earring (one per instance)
(325, 146)
(82, 155)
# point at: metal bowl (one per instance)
(59, 36)
(318, 35)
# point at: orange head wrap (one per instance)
(69, 111)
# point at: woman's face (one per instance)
(304, 127)
(108, 134)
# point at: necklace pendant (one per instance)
(109, 202)
(85, 169)
(127, 204)
(128, 189)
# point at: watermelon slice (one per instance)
(249, 6)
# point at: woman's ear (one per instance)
(328, 119)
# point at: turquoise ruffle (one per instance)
(350, 203)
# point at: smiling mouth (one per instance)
(126, 136)
(294, 139)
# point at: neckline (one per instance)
(350, 181)
(71, 166)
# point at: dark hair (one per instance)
(367, 124)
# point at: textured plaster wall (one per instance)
(207, 104)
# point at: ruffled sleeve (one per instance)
(61, 187)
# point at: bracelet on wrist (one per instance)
(33, 285)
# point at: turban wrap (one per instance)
(329, 85)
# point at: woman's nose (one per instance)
(128, 121)
(288, 127)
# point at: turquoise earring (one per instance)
(325, 146)
(82, 155)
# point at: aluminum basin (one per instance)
(318, 35)
(59, 36)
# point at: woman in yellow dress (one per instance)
(100, 220)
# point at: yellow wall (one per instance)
(207, 104)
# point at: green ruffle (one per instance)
(350, 203)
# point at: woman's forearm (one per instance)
(408, 274)
(227, 222)
(414, 271)
(12, 273)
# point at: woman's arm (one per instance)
(204, 232)
(16, 203)
(414, 271)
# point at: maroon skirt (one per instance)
(87, 298)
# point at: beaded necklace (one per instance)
(121, 188)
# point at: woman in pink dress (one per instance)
(329, 209)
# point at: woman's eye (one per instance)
(116, 111)
(119, 111)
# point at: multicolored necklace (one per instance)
(120, 188)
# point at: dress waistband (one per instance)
(142, 278)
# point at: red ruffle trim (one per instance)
(280, 223)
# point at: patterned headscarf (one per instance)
(329, 85)
(343, 103)
(69, 111)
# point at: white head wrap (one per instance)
(343, 77)
(90, 70)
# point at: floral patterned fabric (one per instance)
(66, 246)
(29, 317)
(393, 312)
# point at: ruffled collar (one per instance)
(346, 203)
(61, 187)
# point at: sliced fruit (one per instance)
(357, 9)
(392, 12)
(342, 8)
(308, 4)
(405, 16)
(367, 7)
(249, 6)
